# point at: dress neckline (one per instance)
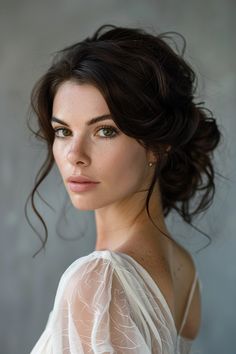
(155, 285)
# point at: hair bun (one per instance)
(189, 167)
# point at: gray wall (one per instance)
(30, 31)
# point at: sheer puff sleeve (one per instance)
(92, 313)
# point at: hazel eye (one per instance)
(109, 129)
(109, 132)
(57, 130)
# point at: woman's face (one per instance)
(99, 151)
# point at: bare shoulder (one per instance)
(184, 274)
(173, 269)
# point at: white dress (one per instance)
(106, 302)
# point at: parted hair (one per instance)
(150, 91)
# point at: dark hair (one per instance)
(149, 89)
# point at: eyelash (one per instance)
(100, 128)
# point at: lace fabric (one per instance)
(106, 302)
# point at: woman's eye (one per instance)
(108, 129)
(108, 132)
(57, 130)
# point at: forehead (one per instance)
(71, 96)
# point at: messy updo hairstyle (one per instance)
(149, 89)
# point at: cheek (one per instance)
(129, 166)
(58, 156)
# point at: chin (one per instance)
(80, 204)
(89, 203)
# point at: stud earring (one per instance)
(150, 164)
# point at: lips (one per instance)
(78, 185)
(80, 179)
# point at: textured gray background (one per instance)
(30, 31)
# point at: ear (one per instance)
(151, 157)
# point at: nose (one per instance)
(76, 153)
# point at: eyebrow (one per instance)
(90, 122)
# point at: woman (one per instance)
(118, 115)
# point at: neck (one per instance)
(128, 223)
